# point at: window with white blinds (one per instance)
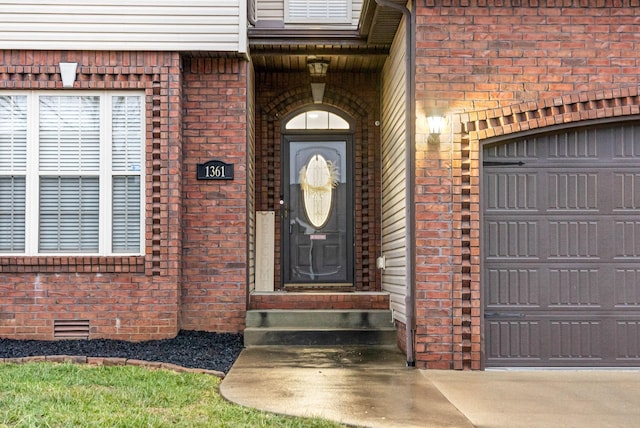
(318, 11)
(71, 173)
(13, 171)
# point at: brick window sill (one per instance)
(73, 264)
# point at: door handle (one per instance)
(284, 209)
(490, 315)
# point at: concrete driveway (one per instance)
(543, 398)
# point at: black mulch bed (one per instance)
(193, 349)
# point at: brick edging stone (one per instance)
(109, 361)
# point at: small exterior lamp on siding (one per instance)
(436, 126)
(68, 73)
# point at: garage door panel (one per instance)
(626, 191)
(511, 239)
(511, 191)
(562, 341)
(525, 149)
(572, 239)
(513, 287)
(572, 191)
(625, 142)
(579, 144)
(627, 336)
(514, 340)
(574, 287)
(561, 249)
(626, 287)
(579, 339)
(626, 234)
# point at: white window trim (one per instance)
(105, 173)
(343, 20)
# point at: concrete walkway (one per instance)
(372, 387)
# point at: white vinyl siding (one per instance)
(394, 177)
(71, 173)
(195, 25)
(318, 12)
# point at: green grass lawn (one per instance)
(70, 395)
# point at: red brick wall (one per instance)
(554, 61)
(133, 298)
(215, 213)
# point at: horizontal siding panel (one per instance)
(270, 10)
(394, 248)
(121, 25)
(397, 305)
(35, 20)
(144, 31)
(394, 209)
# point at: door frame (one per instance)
(319, 135)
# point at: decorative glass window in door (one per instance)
(318, 178)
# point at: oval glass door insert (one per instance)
(318, 178)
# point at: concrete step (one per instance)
(316, 318)
(260, 336)
(319, 327)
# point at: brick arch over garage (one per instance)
(490, 126)
(366, 175)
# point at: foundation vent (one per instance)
(71, 329)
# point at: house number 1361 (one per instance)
(215, 170)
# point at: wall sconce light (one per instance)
(436, 126)
(318, 68)
(68, 73)
(318, 72)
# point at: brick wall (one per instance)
(503, 66)
(132, 298)
(215, 266)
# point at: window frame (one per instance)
(105, 173)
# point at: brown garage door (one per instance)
(561, 249)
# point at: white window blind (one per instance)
(13, 134)
(126, 149)
(320, 11)
(126, 134)
(12, 214)
(83, 155)
(69, 214)
(69, 134)
(13, 164)
(126, 214)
